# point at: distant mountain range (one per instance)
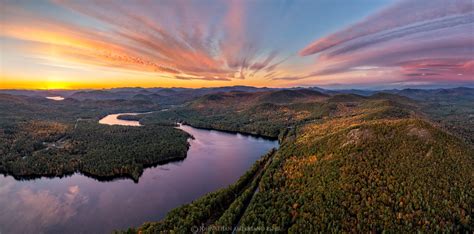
(348, 160)
(180, 95)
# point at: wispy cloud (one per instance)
(425, 39)
(180, 39)
(213, 42)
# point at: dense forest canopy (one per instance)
(353, 161)
(41, 137)
(346, 162)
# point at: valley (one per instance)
(346, 162)
(381, 161)
(65, 203)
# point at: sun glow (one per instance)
(53, 82)
(56, 85)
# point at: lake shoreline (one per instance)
(265, 137)
(100, 178)
(110, 178)
(232, 132)
(213, 160)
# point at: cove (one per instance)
(79, 204)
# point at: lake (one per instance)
(113, 120)
(79, 204)
(55, 98)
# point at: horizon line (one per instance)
(248, 86)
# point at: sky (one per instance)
(62, 44)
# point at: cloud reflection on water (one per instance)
(27, 209)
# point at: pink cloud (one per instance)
(423, 31)
(413, 12)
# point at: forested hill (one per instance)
(397, 161)
(41, 137)
(368, 171)
(272, 113)
(346, 163)
(265, 113)
(242, 99)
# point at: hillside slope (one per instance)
(384, 174)
(351, 163)
(266, 113)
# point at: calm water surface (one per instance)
(113, 120)
(55, 98)
(78, 204)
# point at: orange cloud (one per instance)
(193, 50)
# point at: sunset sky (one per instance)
(182, 43)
